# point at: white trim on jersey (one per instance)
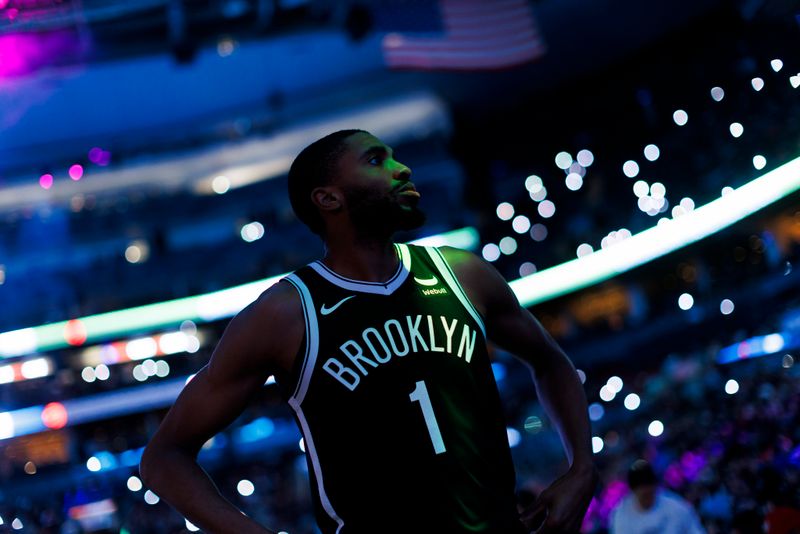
(312, 452)
(378, 288)
(312, 337)
(309, 362)
(450, 277)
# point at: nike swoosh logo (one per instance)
(324, 310)
(432, 281)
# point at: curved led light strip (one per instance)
(661, 239)
(144, 319)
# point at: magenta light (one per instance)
(3, 4)
(76, 172)
(46, 180)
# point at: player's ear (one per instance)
(327, 198)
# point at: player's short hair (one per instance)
(313, 167)
(641, 474)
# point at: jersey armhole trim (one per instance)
(312, 338)
(455, 286)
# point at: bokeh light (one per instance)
(46, 181)
(76, 172)
(632, 401)
(655, 428)
(630, 168)
(505, 211)
(547, 209)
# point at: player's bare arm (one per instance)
(515, 329)
(262, 339)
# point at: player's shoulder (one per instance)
(280, 301)
(461, 260)
(471, 269)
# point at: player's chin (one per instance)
(411, 218)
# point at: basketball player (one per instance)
(380, 350)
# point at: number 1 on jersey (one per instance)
(420, 394)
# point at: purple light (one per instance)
(3, 4)
(95, 154)
(76, 172)
(105, 158)
(45, 180)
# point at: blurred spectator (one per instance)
(650, 509)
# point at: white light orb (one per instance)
(221, 184)
(607, 394)
(505, 211)
(776, 65)
(521, 224)
(615, 383)
(726, 307)
(680, 117)
(546, 209)
(584, 249)
(102, 372)
(757, 83)
(150, 497)
(655, 428)
(640, 188)
(759, 162)
(134, 483)
(585, 157)
(252, 231)
(731, 387)
(490, 252)
(597, 444)
(573, 181)
(538, 194)
(93, 464)
(563, 160)
(245, 488)
(717, 93)
(630, 168)
(736, 129)
(632, 401)
(88, 374)
(685, 301)
(508, 245)
(532, 183)
(651, 152)
(657, 190)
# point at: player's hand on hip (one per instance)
(561, 507)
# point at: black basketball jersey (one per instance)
(399, 410)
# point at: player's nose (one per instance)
(401, 172)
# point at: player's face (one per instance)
(379, 195)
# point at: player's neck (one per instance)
(369, 260)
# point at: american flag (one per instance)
(477, 35)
